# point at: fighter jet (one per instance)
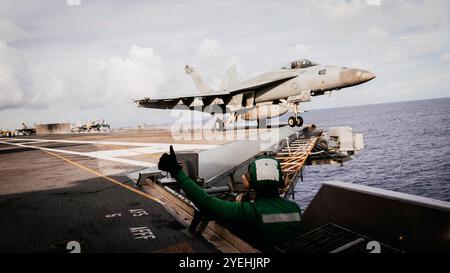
(26, 131)
(267, 95)
(90, 126)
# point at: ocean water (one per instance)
(407, 149)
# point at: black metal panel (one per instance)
(331, 238)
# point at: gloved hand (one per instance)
(169, 163)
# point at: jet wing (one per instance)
(266, 79)
(203, 99)
(221, 97)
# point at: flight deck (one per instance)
(104, 193)
(53, 194)
(62, 188)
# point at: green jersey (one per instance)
(263, 223)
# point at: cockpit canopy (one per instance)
(300, 63)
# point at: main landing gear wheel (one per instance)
(292, 121)
(218, 126)
(299, 121)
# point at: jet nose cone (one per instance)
(352, 76)
(366, 76)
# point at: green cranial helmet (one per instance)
(265, 174)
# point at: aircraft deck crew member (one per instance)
(264, 222)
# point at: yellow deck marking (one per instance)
(93, 172)
(104, 176)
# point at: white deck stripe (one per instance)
(31, 142)
(161, 146)
(121, 160)
(112, 155)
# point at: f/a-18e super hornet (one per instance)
(267, 95)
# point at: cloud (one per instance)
(377, 35)
(213, 61)
(15, 78)
(83, 61)
(139, 75)
(210, 48)
(10, 32)
(445, 57)
(118, 80)
(98, 83)
(301, 50)
(373, 2)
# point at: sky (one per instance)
(77, 60)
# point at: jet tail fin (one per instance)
(201, 86)
(231, 78)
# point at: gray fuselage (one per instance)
(314, 80)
